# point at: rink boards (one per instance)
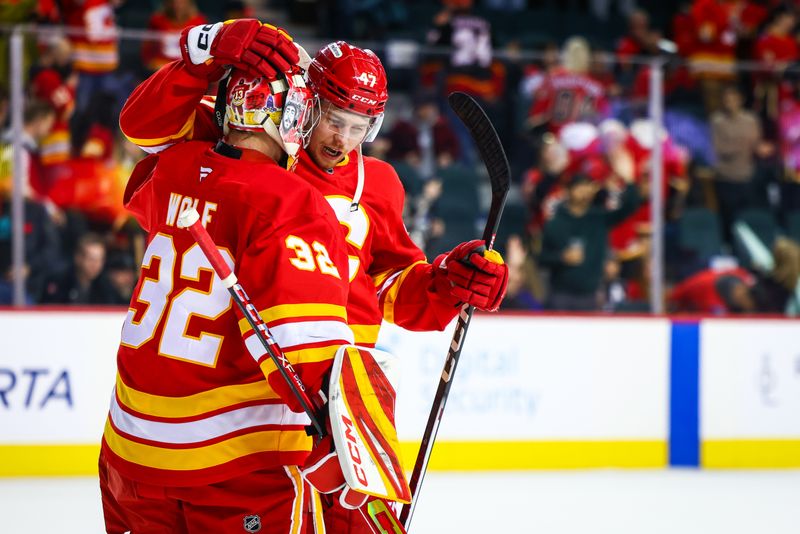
(530, 392)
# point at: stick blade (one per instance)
(492, 154)
(486, 139)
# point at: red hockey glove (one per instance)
(473, 275)
(245, 44)
(323, 472)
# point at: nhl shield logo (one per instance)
(252, 523)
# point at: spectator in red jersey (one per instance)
(53, 81)
(95, 46)
(570, 94)
(776, 49)
(630, 239)
(714, 51)
(535, 74)
(684, 33)
(174, 16)
(715, 292)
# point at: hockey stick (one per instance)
(376, 512)
(494, 157)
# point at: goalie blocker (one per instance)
(360, 457)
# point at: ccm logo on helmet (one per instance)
(365, 100)
(352, 450)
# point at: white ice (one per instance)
(545, 502)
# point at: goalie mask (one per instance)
(283, 108)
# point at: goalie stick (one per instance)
(377, 513)
(494, 158)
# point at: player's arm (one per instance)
(167, 108)
(170, 106)
(418, 295)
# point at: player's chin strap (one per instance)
(220, 103)
(360, 186)
(373, 133)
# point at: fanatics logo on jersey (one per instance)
(204, 172)
(252, 523)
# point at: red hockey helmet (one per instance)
(283, 107)
(350, 78)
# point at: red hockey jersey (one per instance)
(567, 97)
(95, 49)
(169, 107)
(191, 404)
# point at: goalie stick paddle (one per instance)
(377, 513)
(494, 158)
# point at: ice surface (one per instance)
(550, 502)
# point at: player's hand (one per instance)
(323, 472)
(473, 275)
(246, 44)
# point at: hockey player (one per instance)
(389, 277)
(202, 434)
(569, 93)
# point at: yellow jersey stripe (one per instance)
(183, 132)
(381, 277)
(365, 333)
(205, 456)
(287, 311)
(319, 520)
(297, 357)
(391, 294)
(192, 405)
(297, 503)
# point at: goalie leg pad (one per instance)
(361, 406)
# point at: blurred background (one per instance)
(651, 233)
(713, 144)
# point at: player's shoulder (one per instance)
(381, 176)
(184, 151)
(381, 172)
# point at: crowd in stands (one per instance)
(568, 91)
